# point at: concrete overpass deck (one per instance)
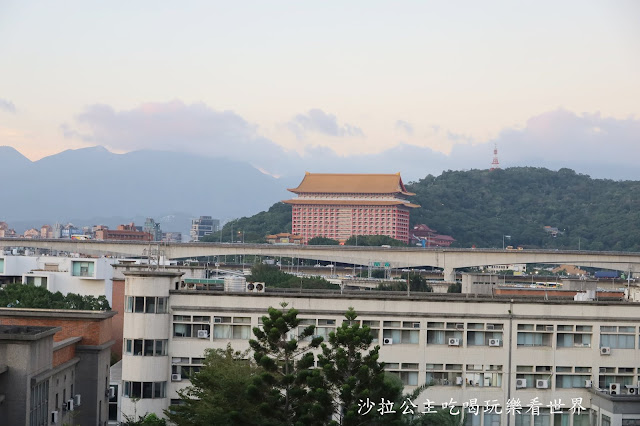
(449, 259)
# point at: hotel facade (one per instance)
(487, 350)
(338, 206)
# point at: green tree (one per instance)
(323, 241)
(454, 288)
(29, 296)
(373, 240)
(352, 373)
(274, 277)
(149, 419)
(281, 391)
(219, 392)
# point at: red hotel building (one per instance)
(338, 206)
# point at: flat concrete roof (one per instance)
(56, 313)
(26, 332)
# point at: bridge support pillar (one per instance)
(449, 275)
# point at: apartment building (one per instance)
(86, 276)
(485, 349)
(54, 366)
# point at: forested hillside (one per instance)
(479, 207)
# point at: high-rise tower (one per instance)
(495, 164)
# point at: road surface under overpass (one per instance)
(449, 259)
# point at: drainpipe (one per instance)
(510, 355)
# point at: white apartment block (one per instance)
(80, 275)
(489, 350)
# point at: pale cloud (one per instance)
(317, 121)
(405, 127)
(7, 106)
(176, 126)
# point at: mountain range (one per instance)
(94, 186)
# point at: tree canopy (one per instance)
(219, 392)
(280, 385)
(29, 296)
(274, 277)
(322, 241)
(480, 207)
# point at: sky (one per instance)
(410, 86)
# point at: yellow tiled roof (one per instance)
(343, 183)
(349, 202)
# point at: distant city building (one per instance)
(153, 228)
(128, 232)
(552, 230)
(422, 234)
(5, 231)
(338, 206)
(32, 233)
(172, 237)
(203, 226)
(69, 230)
(284, 238)
(46, 231)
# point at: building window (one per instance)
(113, 403)
(403, 332)
(82, 269)
(232, 328)
(146, 305)
(444, 375)
(483, 375)
(39, 409)
(145, 390)
(188, 326)
(145, 347)
(407, 372)
(622, 337)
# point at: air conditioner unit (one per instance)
(387, 341)
(217, 320)
(54, 417)
(176, 378)
(459, 325)
(459, 381)
(416, 325)
(614, 389)
(251, 287)
(605, 350)
(521, 383)
(69, 405)
(542, 384)
(631, 389)
(588, 383)
(487, 381)
(454, 342)
(260, 287)
(77, 400)
(203, 334)
(490, 326)
(494, 342)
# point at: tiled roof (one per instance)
(343, 183)
(349, 202)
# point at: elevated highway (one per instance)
(449, 259)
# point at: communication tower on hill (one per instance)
(495, 164)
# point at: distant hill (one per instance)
(479, 207)
(83, 184)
